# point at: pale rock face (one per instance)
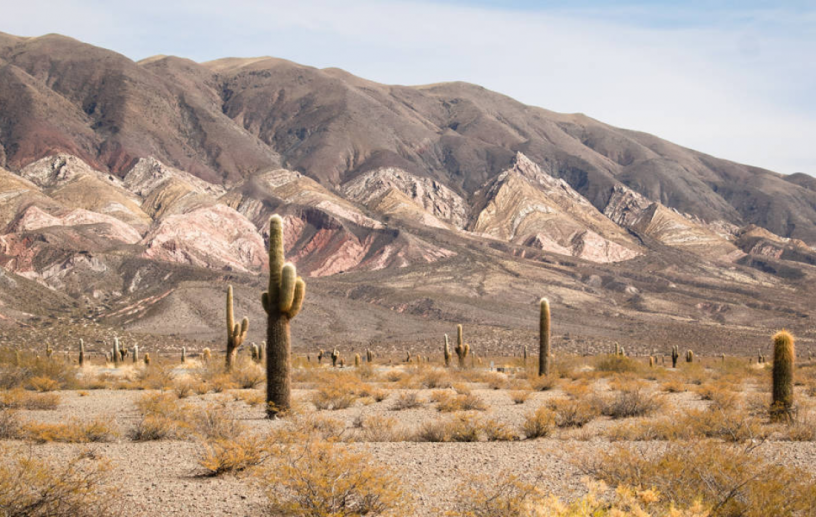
(216, 237)
(34, 219)
(439, 203)
(631, 210)
(526, 206)
(148, 174)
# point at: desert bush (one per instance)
(572, 412)
(617, 364)
(519, 396)
(162, 416)
(313, 425)
(629, 403)
(502, 495)
(158, 377)
(21, 399)
(251, 398)
(407, 400)
(720, 394)
(727, 425)
(183, 388)
(332, 398)
(673, 386)
(453, 403)
(79, 487)
(538, 423)
(247, 375)
(43, 384)
(216, 422)
(231, 455)
(496, 381)
(319, 479)
(10, 424)
(434, 379)
(378, 428)
(73, 431)
(730, 480)
(498, 431)
(544, 383)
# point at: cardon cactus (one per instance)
(116, 356)
(48, 351)
(675, 355)
(81, 352)
(617, 349)
(689, 356)
(282, 302)
(335, 355)
(784, 358)
(407, 357)
(320, 354)
(342, 363)
(147, 359)
(447, 353)
(544, 338)
(184, 354)
(254, 353)
(651, 362)
(369, 356)
(524, 356)
(462, 349)
(235, 333)
(357, 360)
(135, 354)
(262, 352)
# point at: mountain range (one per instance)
(135, 191)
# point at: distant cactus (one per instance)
(254, 353)
(17, 360)
(675, 355)
(722, 358)
(462, 349)
(147, 359)
(407, 357)
(335, 355)
(446, 352)
(622, 352)
(524, 356)
(369, 356)
(81, 352)
(617, 349)
(116, 355)
(48, 351)
(342, 363)
(689, 356)
(184, 354)
(544, 338)
(357, 360)
(282, 302)
(135, 354)
(206, 355)
(235, 333)
(784, 358)
(320, 355)
(651, 362)
(262, 352)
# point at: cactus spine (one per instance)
(544, 338)
(235, 333)
(282, 302)
(784, 357)
(675, 355)
(81, 352)
(447, 352)
(462, 349)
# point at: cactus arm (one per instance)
(297, 300)
(286, 294)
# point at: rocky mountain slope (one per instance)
(138, 190)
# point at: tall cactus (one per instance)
(320, 354)
(544, 338)
(81, 352)
(689, 356)
(462, 349)
(447, 352)
(282, 302)
(335, 355)
(356, 360)
(254, 354)
(675, 355)
(135, 354)
(116, 355)
(369, 356)
(184, 354)
(235, 333)
(784, 357)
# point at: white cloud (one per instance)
(736, 85)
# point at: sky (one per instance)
(732, 78)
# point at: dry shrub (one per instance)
(673, 386)
(538, 423)
(379, 395)
(720, 394)
(183, 388)
(498, 431)
(216, 422)
(379, 428)
(407, 400)
(73, 431)
(496, 381)
(247, 375)
(730, 480)
(316, 426)
(10, 424)
(61, 374)
(157, 376)
(332, 398)
(434, 379)
(221, 383)
(617, 364)
(572, 412)
(43, 384)
(21, 399)
(251, 398)
(453, 403)
(231, 455)
(519, 396)
(79, 487)
(544, 383)
(578, 390)
(311, 478)
(727, 425)
(632, 402)
(502, 495)
(163, 417)
(462, 427)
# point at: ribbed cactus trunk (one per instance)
(116, 356)
(675, 355)
(282, 302)
(783, 363)
(544, 338)
(81, 352)
(235, 333)
(447, 353)
(462, 349)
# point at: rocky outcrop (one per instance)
(109, 227)
(394, 192)
(215, 237)
(525, 206)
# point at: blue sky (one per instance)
(732, 78)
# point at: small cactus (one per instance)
(369, 356)
(524, 356)
(342, 363)
(81, 352)
(206, 355)
(116, 355)
(147, 359)
(447, 353)
(651, 362)
(407, 357)
(135, 354)
(689, 356)
(254, 353)
(235, 333)
(48, 351)
(262, 352)
(544, 338)
(356, 360)
(617, 349)
(784, 359)
(320, 354)
(675, 355)
(335, 355)
(462, 349)
(184, 354)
